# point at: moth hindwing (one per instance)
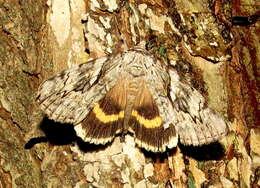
(130, 91)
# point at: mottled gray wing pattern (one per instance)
(195, 122)
(69, 96)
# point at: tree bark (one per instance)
(38, 40)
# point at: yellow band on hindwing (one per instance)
(104, 118)
(147, 123)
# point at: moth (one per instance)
(130, 92)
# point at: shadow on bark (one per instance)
(64, 133)
(61, 134)
(213, 151)
(55, 133)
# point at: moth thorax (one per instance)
(132, 90)
(135, 69)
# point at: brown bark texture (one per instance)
(40, 39)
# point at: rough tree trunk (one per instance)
(40, 39)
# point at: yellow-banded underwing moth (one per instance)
(130, 92)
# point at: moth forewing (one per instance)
(196, 124)
(68, 96)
